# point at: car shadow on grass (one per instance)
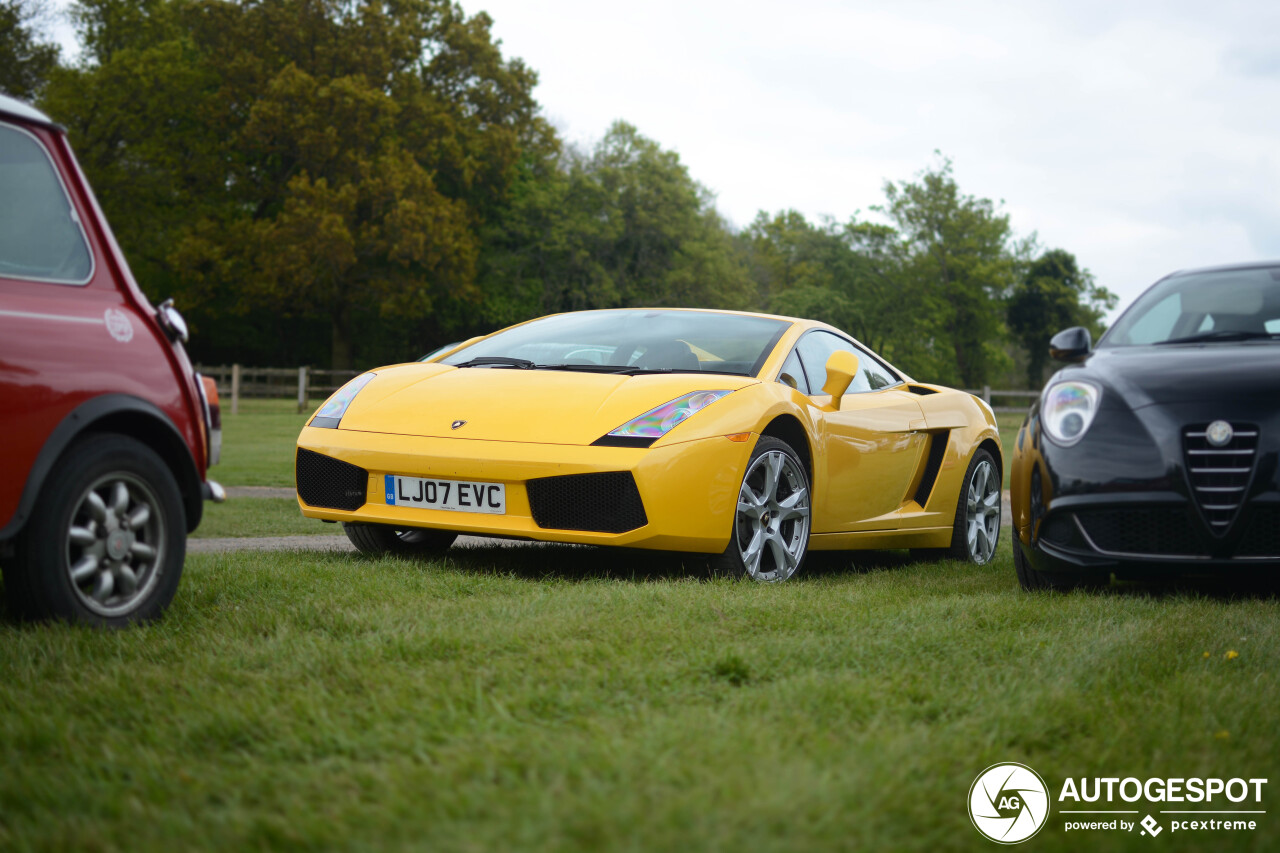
(1220, 588)
(548, 561)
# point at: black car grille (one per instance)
(604, 503)
(329, 483)
(1262, 536)
(1154, 532)
(1219, 475)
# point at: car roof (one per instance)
(22, 110)
(649, 308)
(1247, 265)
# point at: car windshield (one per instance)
(1199, 307)
(620, 341)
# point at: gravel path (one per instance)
(317, 543)
(260, 492)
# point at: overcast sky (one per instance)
(1141, 136)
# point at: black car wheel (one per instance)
(405, 541)
(106, 540)
(771, 524)
(976, 529)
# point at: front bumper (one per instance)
(1136, 497)
(689, 490)
(1143, 535)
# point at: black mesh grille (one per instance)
(329, 483)
(1060, 529)
(1262, 536)
(604, 503)
(1219, 475)
(1158, 532)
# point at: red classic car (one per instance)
(106, 433)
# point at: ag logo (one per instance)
(1008, 803)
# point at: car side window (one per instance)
(816, 347)
(40, 235)
(876, 372)
(792, 374)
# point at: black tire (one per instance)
(1032, 579)
(977, 511)
(405, 541)
(770, 537)
(106, 540)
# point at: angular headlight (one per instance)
(330, 414)
(656, 423)
(1068, 409)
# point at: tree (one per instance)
(328, 159)
(849, 275)
(1053, 295)
(621, 225)
(25, 61)
(958, 253)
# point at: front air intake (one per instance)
(329, 483)
(1142, 531)
(1261, 538)
(602, 503)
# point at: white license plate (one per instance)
(454, 495)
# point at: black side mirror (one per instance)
(1070, 344)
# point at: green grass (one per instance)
(258, 443)
(259, 517)
(566, 699)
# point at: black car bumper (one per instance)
(1146, 535)
(1133, 497)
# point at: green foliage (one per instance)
(361, 181)
(328, 158)
(959, 262)
(1054, 294)
(25, 61)
(846, 275)
(624, 225)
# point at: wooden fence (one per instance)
(305, 384)
(1009, 399)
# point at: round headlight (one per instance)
(1068, 409)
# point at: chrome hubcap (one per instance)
(772, 525)
(114, 544)
(983, 512)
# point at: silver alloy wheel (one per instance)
(772, 523)
(114, 544)
(982, 515)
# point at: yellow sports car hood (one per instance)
(539, 406)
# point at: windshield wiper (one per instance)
(641, 371)
(584, 368)
(1220, 335)
(617, 370)
(498, 361)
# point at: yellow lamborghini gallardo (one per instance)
(748, 437)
